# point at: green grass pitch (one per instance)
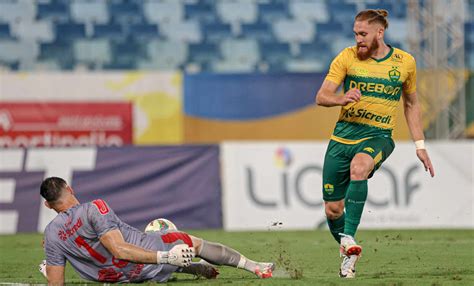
(391, 257)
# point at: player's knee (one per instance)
(197, 243)
(359, 171)
(334, 211)
(361, 166)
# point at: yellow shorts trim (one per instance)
(348, 141)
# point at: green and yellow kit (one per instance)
(365, 126)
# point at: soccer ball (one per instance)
(160, 225)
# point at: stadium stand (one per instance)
(293, 35)
(163, 12)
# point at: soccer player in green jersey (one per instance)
(374, 76)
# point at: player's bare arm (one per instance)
(55, 275)
(412, 111)
(180, 255)
(114, 242)
(327, 95)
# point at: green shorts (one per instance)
(337, 163)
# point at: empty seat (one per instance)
(317, 51)
(242, 50)
(68, 32)
(167, 54)
(271, 12)
(327, 31)
(60, 52)
(126, 54)
(275, 53)
(469, 13)
(54, 11)
(14, 51)
(40, 31)
(470, 62)
(318, 56)
(109, 31)
(398, 45)
(189, 31)
(397, 30)
(203, 53)
(95, 51)
(144, 32)
(163, 11)
(311, 10)
(339, 44)
(217, 32)
(343, 12)
(260, 31)
(294, 31)
(5, 31)
(469, 32)
(204, 13)
(125, 13)
(15, 11)
(8, 67)
(237, 11)
(89, 11)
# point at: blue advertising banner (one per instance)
(180, 183)
(248, 96)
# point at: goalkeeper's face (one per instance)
(367, 36)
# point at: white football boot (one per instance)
(349, 246)
(347, 269)
(265, 269)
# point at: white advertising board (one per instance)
(278, 184)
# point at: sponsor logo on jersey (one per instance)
(364, 113)
(101, 206)
(374, 87)
(369, 149)
(136, 271)
(68, 222)
(360, 71)
(394, 74)
(109, 275)
(65, 234)
(329, 188)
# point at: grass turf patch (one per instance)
(391, 257)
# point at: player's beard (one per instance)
(370, 50)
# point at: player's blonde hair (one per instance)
(371, 16)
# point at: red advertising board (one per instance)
(65, 124)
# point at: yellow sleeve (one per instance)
(409, 86)
(338, 69)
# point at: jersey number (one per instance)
(108, 274)
(96, 255)
(99, 257)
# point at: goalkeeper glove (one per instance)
(180, 255)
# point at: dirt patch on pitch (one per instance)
(286, 267)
